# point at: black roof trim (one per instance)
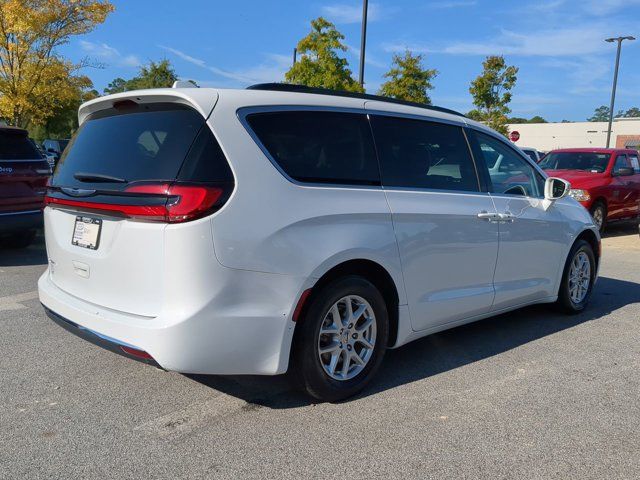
(289, 87)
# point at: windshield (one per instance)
(586, 161)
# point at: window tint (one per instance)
(421, 154)
(621, 162)
(635, 163)
(586, 161)
(206, 162)
(146, 142)
(322, 147)
(15, 145)
(508, 172)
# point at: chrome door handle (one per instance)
(492, 217)
(506, 217)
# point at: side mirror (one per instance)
(556, 188)
(623, 172)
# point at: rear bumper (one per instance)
(243, 331)
(96, 338)
(15, 222)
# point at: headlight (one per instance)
(580, 195)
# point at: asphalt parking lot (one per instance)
(529, 394)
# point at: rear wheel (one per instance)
(342, 339)
(577, 279)
(20, 240)
(599, 215)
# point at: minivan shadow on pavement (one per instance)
(35, 254)
(443, 351)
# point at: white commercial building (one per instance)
(549, 136)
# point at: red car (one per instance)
(605, 180)
(23, 183)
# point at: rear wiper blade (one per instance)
(98, 177)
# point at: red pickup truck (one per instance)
(605, 180)
(23, 183)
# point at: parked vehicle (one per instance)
(55, 147)
(23, 178)
(532, 153)
(49, 156)
(280, 227)
(605, 181)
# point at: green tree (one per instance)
(491, 92)
(319, 64)
(601, 114)
(517, 120)
(35, 80)
(633, 112)
(154, 75)
(408, 80)
(537, 119)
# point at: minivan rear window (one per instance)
(319, 147)
(142, 143)
(15, 145)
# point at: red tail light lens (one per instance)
(182, 202)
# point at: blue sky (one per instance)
(566, 68)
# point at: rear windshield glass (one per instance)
(15, 145)
(144, 142)
(319, 147)
(587, 161)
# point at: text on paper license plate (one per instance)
(86, 232)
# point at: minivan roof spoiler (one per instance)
(289, 87)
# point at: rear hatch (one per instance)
(23, 173)
(130, 170)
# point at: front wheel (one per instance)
(599, 215)
(342, 339)
(578, 278)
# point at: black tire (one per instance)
(565, 302)
(19, 240)
(307, 368)
(599, 208)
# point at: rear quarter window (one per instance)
(319, 147)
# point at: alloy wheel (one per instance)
(347, 338)
(579, 277)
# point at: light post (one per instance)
(615, 81)
(363, 39)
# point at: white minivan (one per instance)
(286, 228)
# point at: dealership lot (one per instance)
(529, 394)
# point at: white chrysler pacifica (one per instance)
(285, 228)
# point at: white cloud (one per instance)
(108, 54)
(272, 69)
(575, 41)
(348, 13)
(369, 59)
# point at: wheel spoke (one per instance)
(366, 324)
(335, 357)
(358, 313)
(365, 342)
(335, 315)
(346, 363)
(357, 358)
(329, 348)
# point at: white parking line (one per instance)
(14, 302)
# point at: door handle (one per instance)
(506, 217)
(492, 217)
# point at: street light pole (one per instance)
(615, 82)
(363, 39)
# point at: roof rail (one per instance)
(290, 87)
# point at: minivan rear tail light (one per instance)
(168, 202)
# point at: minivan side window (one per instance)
(635, 163)
(319, 146)
(508, 173)
(423, 154)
